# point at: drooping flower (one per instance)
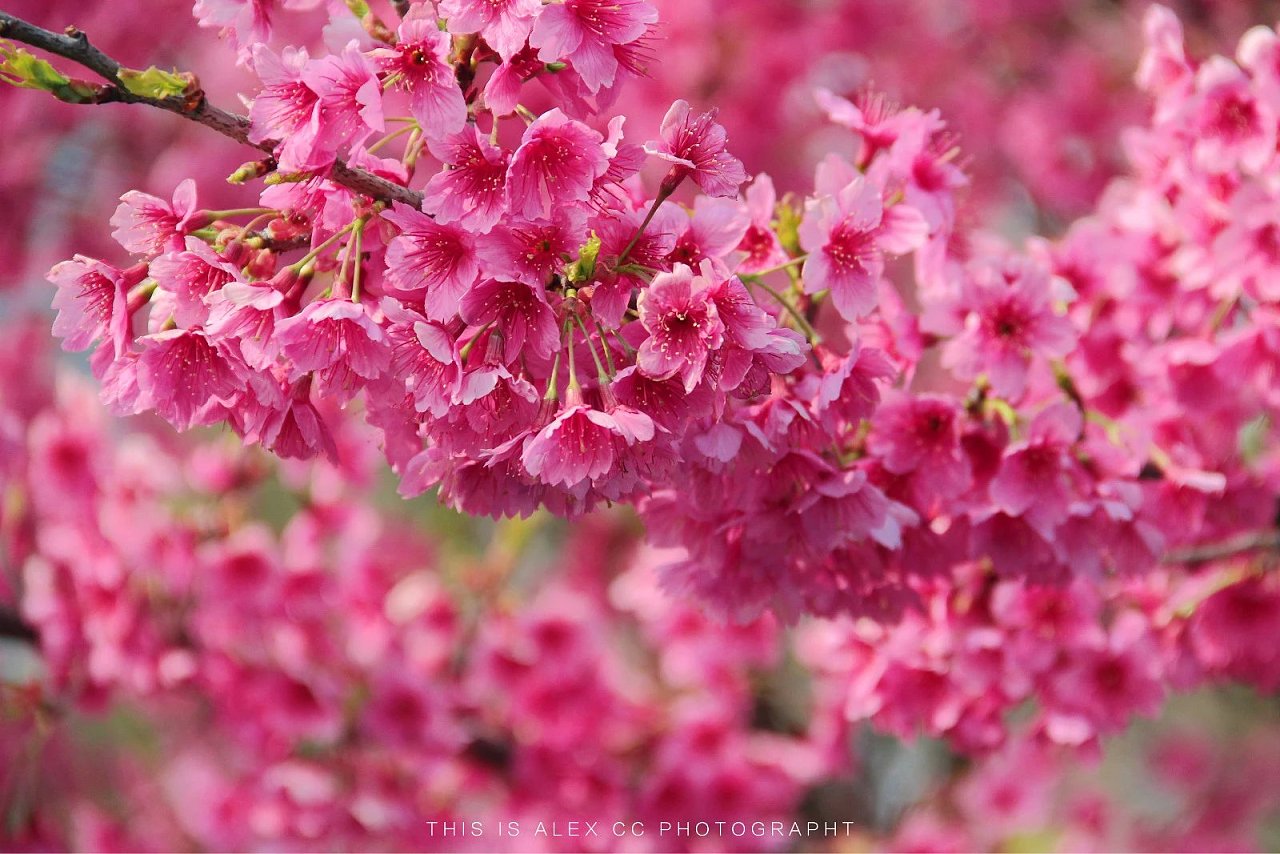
(695, 145)
(91, 302)
(920, 436)
(586, 32)
(579, 444)
(349, 106)
(531, 252)
(431, 261)
(286, 110)
(557, 163)
(339, 342)
(183, 371)
(192, 275)
(683, 325)
(518, 310)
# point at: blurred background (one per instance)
(235, 652)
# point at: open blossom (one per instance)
(760, 243)
(678, 312)
(847, 235)
(557, 163)
(419, 63)
(91, 302)
(504, 24)
(183, 371)
(430, 261)
(286, 109)
(349, 105)
(1009, 318)
(338, 341)
(920, 436)
(472, 191)
(695, 145)
(520, 312)
(146, 225)
(586, 32)
(579, 444)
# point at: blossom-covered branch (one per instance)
(191, 104)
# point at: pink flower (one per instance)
(1037, 479)
(1009, 319)
(287, 109)
(696, 147)
(192, 276)
(849, 387)
(472, 192)
(350, 99)
(531, 252)
(714, 229)
(760, 243)
(431, 261)
(557, 163)
(146, 225)
(183, 371)
(1231, 125)
(91, 302)
(419, 63)
(503, 24)
(338, 341)
(247, 313)
(579, 444)
(519, 311)
(585, 32)
(847, 236)
(920, 436)
(683, 325)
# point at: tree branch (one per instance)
(1250, 541)
(75, 46)
(14, 627)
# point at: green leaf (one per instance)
(29, 71)
(156, 84)
(585, 267)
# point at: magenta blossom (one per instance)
(91, 302)
(580, 444)
(520, 312)
(146, 225)
(419, 63)
(430, 261)
(557, 163)
(472, 192)
(586, 32)
(338, 341)
(695, 145)
(684, 327)
(503, 24)
(847, 235)
(182, 372)
(1009, 318)
(286, 110)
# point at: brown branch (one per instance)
(1241, 544)
(75, 46)
(401, 7)
(12, 626)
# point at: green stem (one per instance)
(391, 136)
(315, 253)
(799, 259)
(805, 326)
(608, 355)
(214, 215)
(635, 238)
(466, 349)
(355, 279)
(602, 375)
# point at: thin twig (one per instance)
(1241, 544)
(75, 46)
